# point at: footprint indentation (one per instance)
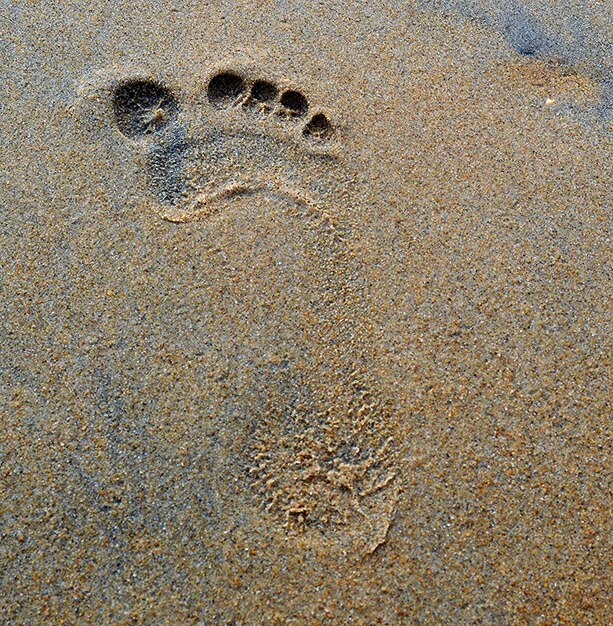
(293, 103)
(142, 107)
(191, 171)
(225, 88)
(329, 471)
(263, 94)
(319, 127)
(320, 459)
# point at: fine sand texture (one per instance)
(305, 312)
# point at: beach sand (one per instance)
(305, 313)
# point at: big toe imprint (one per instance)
(257, 167)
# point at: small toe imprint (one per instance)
(225, 89)
(263, 95)
(293, 104)
(318, 127)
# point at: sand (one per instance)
(305, 313)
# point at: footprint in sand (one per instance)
(192, 173)
(258, 167)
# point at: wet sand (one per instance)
(305, 313)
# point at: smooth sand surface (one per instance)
(305, 313)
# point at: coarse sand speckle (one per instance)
(305, 312)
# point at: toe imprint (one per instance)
(143, 107)
(224, 89)
(294, 104)
(319, 127)
(262, 96)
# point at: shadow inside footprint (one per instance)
(142, 107)
(293, 104)
(166, 161)
(225, 88)
(318, 127)
(263, 92)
